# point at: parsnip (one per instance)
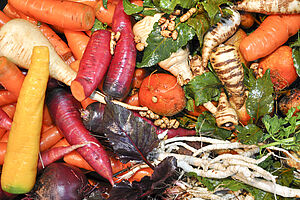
(226, 116)
(227, 64)
(270, 6)
(220, 32)
(142, 28)
(177, 64)
(17, 39)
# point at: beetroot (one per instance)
(60, 181)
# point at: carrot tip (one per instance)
(78, 90)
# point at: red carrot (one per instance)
(121, 70)
(64, 109)
(273, 32)
(54, 154)
(5, 120)
(65, 14)
(93, 65)
(4, 137)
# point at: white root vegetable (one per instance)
(17, 39)
(270, 6)
(178, 65)
(226, 62)
(226, 117)
(220, 32)
(206, 163)
(142, 28)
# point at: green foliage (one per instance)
(250, 134)
(168, 6)
(160, 48)
(206, 125)
(212, 7)
(203, 88)
(130, 8)
(200, 24)
(296, 54)
(260, 100)
(98, 25)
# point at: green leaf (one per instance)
(160, 48)
(212, 7)
(98, 25)
(272, 124)
(200, 24)
(249, 78)
(203, 88)
(296, 59)
(130, 8)
(105, 3)
(206, 124)
(250, 134)
(168, 6)
(260, 100)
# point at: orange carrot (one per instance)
(106, 15)
(65, 14)
(140, 174)
(49, 138)
(3, 18)
(2, 151)
(273, 32)
(47, 120)
(9, 109)
(87, 102)
(59, 45)
(75, 65)
(77, 41)
(6, 97)
(11, 76)
(91, 3)
(75, 159)
(11, 11)
(46, 127)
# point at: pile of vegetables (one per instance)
(150, 99)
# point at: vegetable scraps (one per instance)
(20, 163)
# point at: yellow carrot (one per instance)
(20, 163)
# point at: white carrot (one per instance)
(219, 33)
(17, 39)
(270, 6)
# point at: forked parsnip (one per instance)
(17, 39)
(270, 6)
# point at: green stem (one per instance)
(284, 141)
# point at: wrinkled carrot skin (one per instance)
(77, 41)
(49, 138)
(6, 97)
(65, 14)
(10, 111)
(5, 136)
(5, 120)
(117, 83)
(3, 18)
(64, 110)
(11, 76)
(93, 65)
(273, 32)
(59, 45)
